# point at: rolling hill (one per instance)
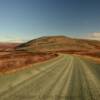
(60, 44)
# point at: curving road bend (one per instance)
(66, 78)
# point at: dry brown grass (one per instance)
(20, 59)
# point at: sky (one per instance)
(22, 20)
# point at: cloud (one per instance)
(93, 36)
(17, 40)
(12, 40)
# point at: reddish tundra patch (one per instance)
(19, 59)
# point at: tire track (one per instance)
(58, 88)
(92, 81)
(76, 89)
(65, 82)
(73, 85)
(46, 80)
(85, 90)
(47, 93)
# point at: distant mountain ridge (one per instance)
(5, 46)
(59, 43)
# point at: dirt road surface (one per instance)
(64, 78)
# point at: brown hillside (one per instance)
(60, 43)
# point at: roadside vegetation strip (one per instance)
(44, 63)
(94, 83)
(43, 72)
(15, 70)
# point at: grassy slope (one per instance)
(58, 43)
